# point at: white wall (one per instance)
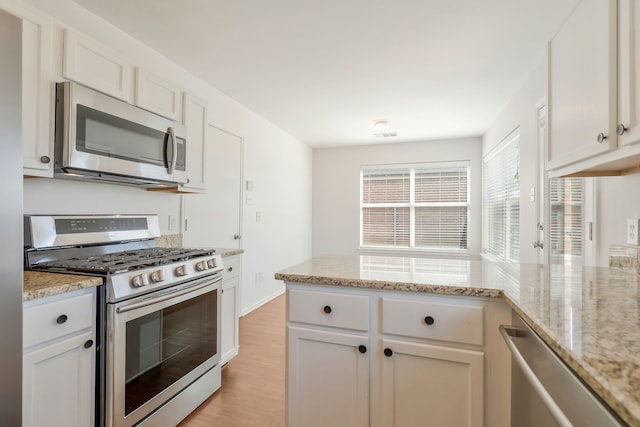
(279, 164)
(618, 199)
(336, 187)
(521, 115)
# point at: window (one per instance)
(422, 206)
(566, 199)
(502, 201)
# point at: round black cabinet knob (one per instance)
(88, 344)
(326, 309)
(388, 352)
(362, 348)
(429, 320)
(45, 159)
(61, 319)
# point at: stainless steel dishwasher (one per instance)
(544, 391)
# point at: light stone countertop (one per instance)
(37, 284)
(589, 316)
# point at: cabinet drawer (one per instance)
(329, 309)
(41, 322)
(231, 267)
(433, 320)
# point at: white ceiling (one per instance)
(323, 70)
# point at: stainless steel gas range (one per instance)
(159, 312)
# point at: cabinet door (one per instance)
(92, 64)
(230, 305)
(157, 95)
(328, 379)
(582, 84)
(629, 71)
(58, 384)
(425, 385)
(37, 87)
(195, 119)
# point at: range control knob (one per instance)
(181, 270)
(201, 266)
(211, 263)
(157, 276)
(140, 280)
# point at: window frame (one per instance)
(412, 205)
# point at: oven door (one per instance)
(158, 344)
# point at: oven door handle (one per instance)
(163, 296)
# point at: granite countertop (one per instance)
(590, 316)
(37, 284)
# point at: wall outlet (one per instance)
(259, 277)
(632, 231)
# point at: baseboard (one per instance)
(262, 302)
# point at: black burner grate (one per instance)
(125, 260)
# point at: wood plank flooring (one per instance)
(252, 392)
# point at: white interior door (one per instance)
(213, 218)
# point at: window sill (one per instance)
(421, 253)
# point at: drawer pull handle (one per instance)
(326, 309)
(230, 269)
(362, 348)
(388, 352)
(429, 320)
(88, 344)
(61, 319)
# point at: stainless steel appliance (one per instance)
(544, 391)
(11, 220)
(104, 139)
(159, 350)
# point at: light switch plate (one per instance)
(632, 231)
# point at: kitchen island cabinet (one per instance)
(587, 316)
(59, 360)
(360, 358)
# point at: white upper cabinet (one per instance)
(158, 95)
(97, 66)
(195, 119)
(628, 127)
(37, 89)
(594, 73)
(582, 85)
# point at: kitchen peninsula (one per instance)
(589, 316)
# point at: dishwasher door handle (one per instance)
(507, 333)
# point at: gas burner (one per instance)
(119, 262)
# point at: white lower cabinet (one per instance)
(431, 385)
(394, 359)
(59, 361)
(230, 308)
(330, 385)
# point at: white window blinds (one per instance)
(423, 206)
(566, 201)
(502, 202)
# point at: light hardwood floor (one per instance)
(252, 392)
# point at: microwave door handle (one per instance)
(174, 151)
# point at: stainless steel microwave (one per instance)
(103, 139)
